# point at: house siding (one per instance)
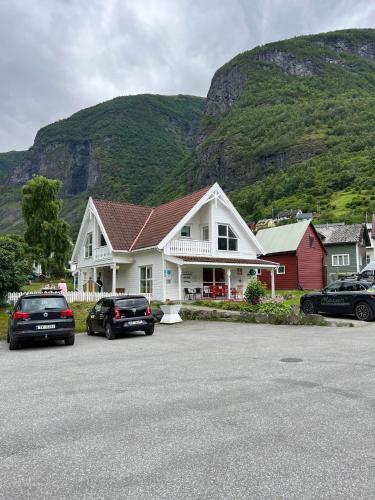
(333, 272)
(287, 281)
(310, 262)
(129, 274)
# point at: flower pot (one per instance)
(170, 313)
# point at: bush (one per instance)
(254, 291)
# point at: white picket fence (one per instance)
(76, 296)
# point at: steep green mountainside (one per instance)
(292, 125)
(121, 149)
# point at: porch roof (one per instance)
(227, 261)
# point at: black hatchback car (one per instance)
(40, 316)
(350, 297)
(115, 315)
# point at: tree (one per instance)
(15, 265)
(46, 232)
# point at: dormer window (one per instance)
(227, 240)
(185, 232)
(88, 246)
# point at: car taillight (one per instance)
(117, 314)
(68, 313)
(148, 311)
(21, 315)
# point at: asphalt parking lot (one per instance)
(199, 410)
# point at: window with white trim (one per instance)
(340, 260)
(258, 271)
(280, 269)
(88, 246)
(368, 259)
(145, 285)
(185, 232)
(102, 242)
(227, 240)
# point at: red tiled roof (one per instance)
(226, 260)
(164, 218)
(122, 221)
(137, 226)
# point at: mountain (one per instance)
(292, 125)
(123, 149)
(287, 125)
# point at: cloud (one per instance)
(59, 56)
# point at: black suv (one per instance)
(350, 297)
(40, 316)
(114, 315)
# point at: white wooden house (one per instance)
(196, 244)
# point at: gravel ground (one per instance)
(199, 410)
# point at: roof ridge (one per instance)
(123, 203)
(185, 196)
(141, 230)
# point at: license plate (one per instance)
(45, 327)
(137, 322)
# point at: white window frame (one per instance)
(148, 279)
(258, 271)
(227, 237)
(340, 256)
(187, 237)
(88, 245)
(278, 269)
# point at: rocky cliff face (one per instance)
(220, 156)
(74, 163)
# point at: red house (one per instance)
(300, 253)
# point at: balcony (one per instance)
(101, 253)
(189, 247)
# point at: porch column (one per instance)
(228, 274)
(94, 278)
(273, 294)
(114, 269)
(164, 282)
(80, 281)
(179, 283)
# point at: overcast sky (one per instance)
(58, 56)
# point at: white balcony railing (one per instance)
(189, 247)
(101, 253)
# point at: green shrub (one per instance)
(274, 308)
(254, 291)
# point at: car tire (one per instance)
(8, 338)
(363, 312)
(308, 307)
(109, 332)
(150, 330)
(13, 345)
(89, 331)
(69, 340)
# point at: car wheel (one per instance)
(109, 332)
(308, 307)
(13, 345)
(89, 330)
(363, 312)
(69, 340)
(150, 330)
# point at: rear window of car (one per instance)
(131, 303)
(34, 304)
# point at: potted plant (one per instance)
(170, 312)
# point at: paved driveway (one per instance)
(199, 410)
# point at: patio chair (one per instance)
(198, 291)
(189, 293)
(207, 291)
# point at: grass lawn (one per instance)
(36, 286)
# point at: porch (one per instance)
(192, 278)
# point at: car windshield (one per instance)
(130, 303)
(34, 304)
